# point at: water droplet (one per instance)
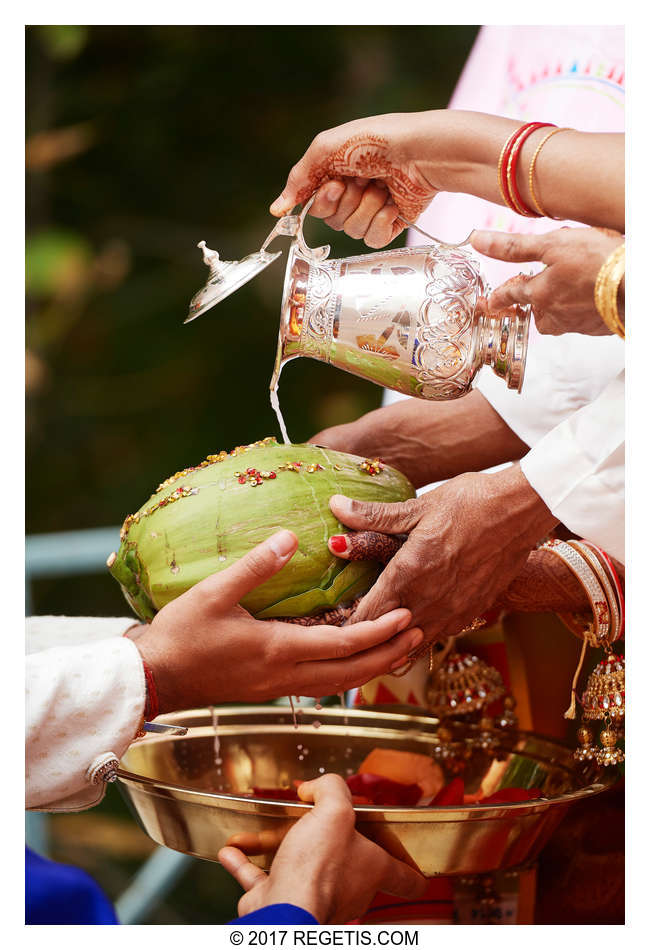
(317, 704)
(300, 758)
(317, 724)
(321, 770)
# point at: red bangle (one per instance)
(151, 709)
(511, 168)
(619, 587)
(507, 169)
(502, 166)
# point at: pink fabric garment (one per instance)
(571, 76)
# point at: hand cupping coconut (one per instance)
(203, 519)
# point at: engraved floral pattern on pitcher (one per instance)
(404, 318)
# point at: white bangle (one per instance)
(598, 632)
(601, 574)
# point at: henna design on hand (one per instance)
(366, 156)
(545, 585)
(362, 546)
(373, 546)
(336, 617)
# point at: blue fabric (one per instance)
(276, 914)
(60, 894)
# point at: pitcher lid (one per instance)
(226, 277)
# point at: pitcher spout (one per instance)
(502, 343)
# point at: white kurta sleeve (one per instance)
(563, 374)
(578, 469)
(82, 701)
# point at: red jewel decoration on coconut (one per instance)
(372, 466)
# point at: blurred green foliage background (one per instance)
(142, 141)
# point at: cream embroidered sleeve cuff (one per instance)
(82, 701)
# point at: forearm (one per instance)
(545, 584)
(578, 175)
(430, 441)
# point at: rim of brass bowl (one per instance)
(246, 803)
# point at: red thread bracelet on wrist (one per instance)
(151, 708)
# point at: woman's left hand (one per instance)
(562, 295)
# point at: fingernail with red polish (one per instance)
(338, 544)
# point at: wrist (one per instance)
(463, 151)
(305, 895)
(157, 673)
(518, 503)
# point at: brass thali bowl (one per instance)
(191, 800)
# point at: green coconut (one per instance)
(203, 519)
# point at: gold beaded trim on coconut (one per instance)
(250, 476)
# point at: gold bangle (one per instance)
(531, 170)
(506, 198)
(606, 290)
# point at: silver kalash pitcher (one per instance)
(411, 319)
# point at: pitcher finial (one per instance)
(209, 257)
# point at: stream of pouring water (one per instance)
(293, 712)
(275, 405)
(217, 741)
(275, 400)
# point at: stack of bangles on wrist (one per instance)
(606, 290)
(507, 169)
(597, 575)
(595, 571)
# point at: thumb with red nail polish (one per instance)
(366, 546)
